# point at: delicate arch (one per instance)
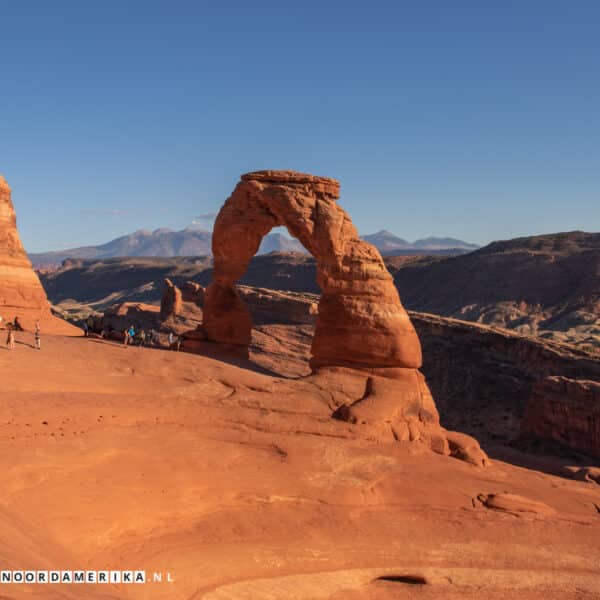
(361, 321)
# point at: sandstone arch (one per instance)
(365, 351)
(361, 321)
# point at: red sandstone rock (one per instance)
(590, 474)
(515, 504)
(566, 411)
(361, 321)
(399, 408)
(171, 302)
(467, 448)
(193, 292)
(274, 306)
(21, 293)
(363, 335)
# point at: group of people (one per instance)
(16, 326)
(142, 338)
(131, 337)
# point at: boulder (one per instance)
(589, 474)
(467, 448)
(516, 504)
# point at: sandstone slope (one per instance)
(242, 486)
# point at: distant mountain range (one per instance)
(388, 244)
(197, 242)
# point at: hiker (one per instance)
(131, 333)
(142, 335)
(86, 331)
(178, 343)
(10, 339)
(171, 340)
(38, 331)
(125, 337)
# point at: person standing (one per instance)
(38, 338)
(10, 339)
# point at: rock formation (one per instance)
(274, 306)
(193, 292)
(21, 293)
(171, 302)
(482, 377)
(515, 504)
(361, 321)
(517, 284)
(365, 349)
(118, 317)
(20, 286)
(566, 411)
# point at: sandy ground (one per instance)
(240, 485)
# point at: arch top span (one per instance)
(361, 321)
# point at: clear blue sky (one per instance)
(479, 120)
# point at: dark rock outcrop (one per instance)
(482, 377)
(566, 411)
